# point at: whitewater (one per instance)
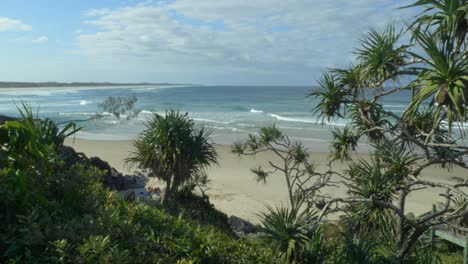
(231, 112)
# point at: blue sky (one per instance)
(185, 41)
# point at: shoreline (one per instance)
(234, 189)
(98, 87)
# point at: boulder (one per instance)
(241, 226)
(112, 179)
(130, 196)
(70, 156)
(4, 118)
(100, 164)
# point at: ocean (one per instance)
(232, 112)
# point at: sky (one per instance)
(230, 42)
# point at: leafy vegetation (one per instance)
(433, 69)
(173, 150)
(56, 213)
(55, 210)
(289, 229)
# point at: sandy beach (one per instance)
(234, 189)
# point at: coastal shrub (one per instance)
(431, 70)
(289, 229)
(197, 208)
(173, 149)
(139, 233)
(56, 213)
(428, 64)
(293, 162)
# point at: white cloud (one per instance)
(40, 39)
(264, 36)
(7, 24)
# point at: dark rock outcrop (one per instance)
(4, 118)
(130, 196)
(113, 179)
(241, 226)
(70, 156)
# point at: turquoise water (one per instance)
(232, 112)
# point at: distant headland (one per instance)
(77, 84)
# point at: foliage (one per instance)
(55, 213)
(359, 250)
(199, 209)
(433, 65)
(289, 229)
(173, 150)
(368, 180)
(343, 143)
(120, 106)
(381, 56)
(447, 18)
(331, 95)
(444, 78)
(298, 171)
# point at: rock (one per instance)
(71, 157)
(100, 164)
(4, 118)
(241, 226)
(136, 181)
(130, 196)
(112, 179)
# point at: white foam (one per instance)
(246, 125)
(78, 114)
(256, 111)
(289, 119)
(146, 112)
(307, 121)
(112, 122)
(19, 92)
(394, 106)
(212, 121)
(99, 136)
(84, 102)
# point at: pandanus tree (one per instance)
(432, 72)
(448, 19)
(173, 149)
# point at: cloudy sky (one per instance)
(185, 41)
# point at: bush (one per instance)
(54, 212)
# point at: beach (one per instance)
(234, 189)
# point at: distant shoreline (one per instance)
(29, 85)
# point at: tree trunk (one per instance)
(400, 221)
(290, 191)
(406, 247)
(167, 191)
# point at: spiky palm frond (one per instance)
(268, 135)
(424, 123)
(352, 79)
(45, 129)
(396, 159)
(369, 181)
(447, 18)
(369, 120)
(444, 80)
(331, 95)
(359, 250)
(288, 228)
(343, 143)
(172, 149)
(381, 56)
